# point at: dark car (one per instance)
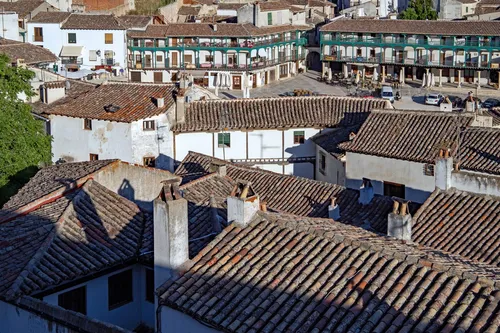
(491, 103)
(455, 101)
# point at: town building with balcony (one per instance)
(226, 55)
(454, 51)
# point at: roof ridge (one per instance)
(248, 100)
(421, 112)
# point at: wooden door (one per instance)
(254, 84)
(148, 61)
(175, 59)
(135, 76)
(158, 77)
(236, 82)
(174, 41)
(266, 78)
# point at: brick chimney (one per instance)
(366, 192)
(399, 220)
(171, 243)
(219, 167)
(443, 169)
(242, 204)
(334, 209)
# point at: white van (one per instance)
(387, 93)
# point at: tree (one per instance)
(24, 146)
(419, 10)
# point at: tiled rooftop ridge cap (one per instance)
(423, 113)
(293, 98)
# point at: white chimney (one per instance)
(443, 169)
(219, 167)
(180, 107)
(171, 243)
(399, 221)
(242, 204)
(334, 209)
(366, 192)
(215, 27)
(160, 102)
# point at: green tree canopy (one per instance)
(419, 10)
(24, 146)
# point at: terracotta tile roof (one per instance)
(229, 6)
(480, 150)
(461, 223)
(330, 140)
(77, 235)
(285, 112)
(285, 193)
(189, 10)
(76, 89)
(23, 8)
(273, 5)
(134, 21)
(31, 54)
(92, 22)
(207, 30)
(50, 17)
(408, 135)
(52, 178)
(320, 3)
(495, 114)
(135, 102)
(285, 273)
(446, 28)
(73, 320)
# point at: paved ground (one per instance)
(413, 94)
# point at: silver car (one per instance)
(433, 99)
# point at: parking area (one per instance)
(413, 96)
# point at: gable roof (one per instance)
(74, 236)
(462, 223)
(480, 150)
(31, 54)
(407, 135)
(271, 113)
(285, 273)
(189, 10)
(50, 17)
(268, 6)
(52, 178)
(446, 28)
(23, 8)
(92, 22)
(134, 21)
(330, 140)
(136, 101)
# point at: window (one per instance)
(38, 37)
(188, 58)
(159, 58)
(71, 38)
(150, 285)
(108, 38)
(269, 18)
(148, 125)
(224, 140)
(92, 55)
(209, 58)
(429, 169)
(94, 157)
(322, 163)
(394, 190)
(74, 300)
(135, 76)
(136, 42)
(87, 124)
(284, 70)
(466, 9)
(149, 161)
(120, 289)
(298, 137)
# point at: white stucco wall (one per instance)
(379, 169)
(10, 28)
(334, 171)
(107, 139)
(476, 182)
(128, 316)
(175, 321)
(52, 36)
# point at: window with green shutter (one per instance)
(224, 140)
(298, 137)
(269, 18)
(71, 38)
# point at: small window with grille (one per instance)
(429, 169)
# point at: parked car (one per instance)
(456, 102)
(491, 103)
(434, 99)
(387, 93)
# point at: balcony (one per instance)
(108, 62)
(71, 61)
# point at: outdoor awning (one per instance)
(71, 51)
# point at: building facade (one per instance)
(457, 52)
(232, 56)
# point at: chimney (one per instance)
(160, 102)
(334, 209)
(215, 27)
(352, 136)
(443, 169)
(399, 220)
(180, 107)
(171, 243)
(366, 192)
(242, 204)
(263, 206)
(214, 216)
(219, 167)
(256, 14)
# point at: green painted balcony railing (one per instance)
(325, 39)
